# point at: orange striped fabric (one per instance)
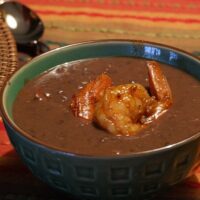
(172, 22)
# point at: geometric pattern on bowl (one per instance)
(182, 161)
(120, 174)
(121, 191)
(154, 169)
(58, 183)
(86, 173)
(53, 165)
(185, 160)
(29, 154)
(150, 187)
(88, 190)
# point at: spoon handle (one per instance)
(33, 48)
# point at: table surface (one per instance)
(172, 22)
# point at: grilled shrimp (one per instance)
(83, 103)
(160, 89)
(121, 107)
(124, 109)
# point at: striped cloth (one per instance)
(172, 22)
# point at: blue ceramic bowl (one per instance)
(135, 176)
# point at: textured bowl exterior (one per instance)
(131, 177)
(137, 176)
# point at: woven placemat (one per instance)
(8, 52)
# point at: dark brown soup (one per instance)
(42, 108)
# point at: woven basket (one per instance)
(8, 52)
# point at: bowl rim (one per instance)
(42, 144)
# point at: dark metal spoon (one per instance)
(25, 25)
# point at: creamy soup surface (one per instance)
(48, 116)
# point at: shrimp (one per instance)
(124, 109)
(160, 89)
(83, 103)
(120, 109)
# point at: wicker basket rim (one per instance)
(8, 52)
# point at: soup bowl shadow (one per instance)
(136, 176)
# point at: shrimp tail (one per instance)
(160, 89)
(159, 86)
